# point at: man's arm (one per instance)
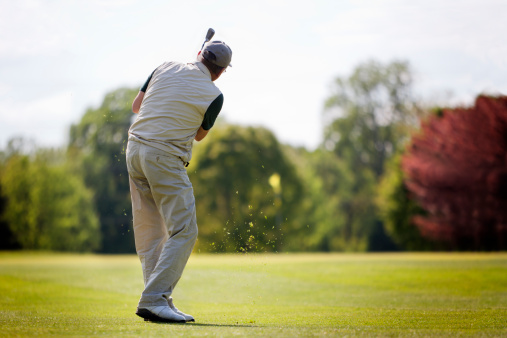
(210, 117)
(136, 105)
(201, 133)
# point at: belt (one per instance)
(184, 163)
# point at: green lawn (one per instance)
(266, 295)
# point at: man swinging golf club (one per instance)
(177, 105)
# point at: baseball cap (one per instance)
(218, 53)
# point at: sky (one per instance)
(60, 57)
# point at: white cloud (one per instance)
(33, 28)
(405, 28)
(44, 120)
(285, 54)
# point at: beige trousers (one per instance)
(165, 227)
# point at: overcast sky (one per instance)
(59, 57)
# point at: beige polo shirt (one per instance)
(173, 107)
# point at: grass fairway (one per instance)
(266, 295)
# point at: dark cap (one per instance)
(218, 53)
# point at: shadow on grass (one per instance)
(221, 325)
(206, 325)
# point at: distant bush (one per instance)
(46, 205)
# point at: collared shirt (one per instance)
(177, 99)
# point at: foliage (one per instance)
(368, 114)
(397, 208)
(7, 239)
(97, 149)
(322, 218)
(237, 207)
(456, 170)
(47, 206)
(252, 193)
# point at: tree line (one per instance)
(378, 182)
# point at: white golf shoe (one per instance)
(188, 318)
(160, 314)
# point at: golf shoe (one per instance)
(160, 314)
(188, 318)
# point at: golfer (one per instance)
(177, 105)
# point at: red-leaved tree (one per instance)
(456, 169)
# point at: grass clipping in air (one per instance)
(261, 294)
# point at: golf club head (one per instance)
(210, 34)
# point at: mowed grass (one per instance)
(264, 295)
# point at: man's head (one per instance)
(216, 56)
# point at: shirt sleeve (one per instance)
(145, 85)
(211, 114)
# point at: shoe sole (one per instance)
(149, 316)
(187, 321)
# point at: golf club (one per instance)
(209, 36)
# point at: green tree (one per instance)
(321, 225)
(97, 149)
(7, 239)
(47, 206)
(397, 209)
(237, 207)
(367, 116)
